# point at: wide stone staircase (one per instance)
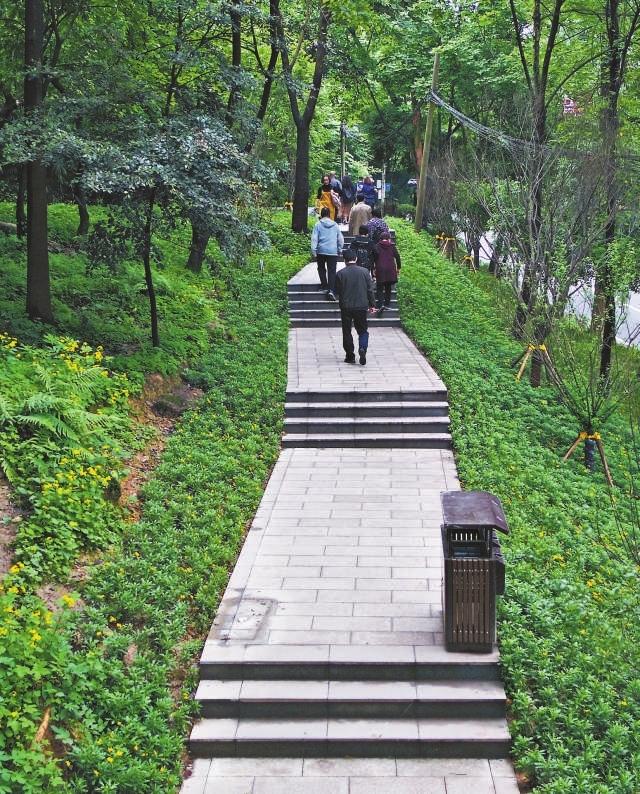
(415, 419)
(349, 700)
(309, 307)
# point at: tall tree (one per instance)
(303, 117)
(618, 43)
(38, 278)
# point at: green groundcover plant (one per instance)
(568, 623)
(96, 682)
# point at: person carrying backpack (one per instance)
(363, 248)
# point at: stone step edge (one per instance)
(356, 395)
(373, 656)
(384, 440)
(368, 404)
(357, 692)
(367, 420)
(486, 737)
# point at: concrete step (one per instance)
(369, 425)
(351, 699)
(329, 322)
(365, 409)
(345, 663)
(296, 290)
(360, 396)
(367, 440)
(316, 300)
(407, 738)
(333, 312)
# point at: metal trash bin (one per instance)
(474, 571)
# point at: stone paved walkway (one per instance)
(344, 550)
(342, 560)
(350, 776)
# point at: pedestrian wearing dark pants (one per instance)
(326, 246)
(387, 267)
(354, 289)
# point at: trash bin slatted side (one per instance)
(469, 599)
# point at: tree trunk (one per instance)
(236, 59)
(38, 281)
(21, 215)
(148, 276)
(197, 249)
(83, 214)
(300, 213)
(476, 253)
(612, 76)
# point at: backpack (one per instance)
(363, 256)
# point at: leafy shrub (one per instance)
(120, 665)
(568, 628)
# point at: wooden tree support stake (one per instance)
(584, 436)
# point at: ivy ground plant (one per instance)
(568, 624)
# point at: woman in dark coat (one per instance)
(387, 266)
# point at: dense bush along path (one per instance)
(325, 669)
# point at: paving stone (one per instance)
(193, 786)
(443, 767)
(311, 637)
(501, 767)
(284, 690)
(352, 623)
(355, 596)
(229, 785)
(394, 785)
(504, 785)
(305, 785)
(345, 767)
(320, 609)
(199, 767)
(283, 729)
(256, 767)
(466, 784)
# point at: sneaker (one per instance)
(350, 359)
(381, 309)
(330, 295)
(363, 356)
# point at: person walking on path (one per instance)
(348, 197)
(369, 191)
(387, 267)
(335, 183)
(377, 226)
(326, 246)
(327, 197)
(360, 215)
(354, 288)
(363, 248)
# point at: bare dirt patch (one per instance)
(161, 404)
(10, 517)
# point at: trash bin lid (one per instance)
(472, 509)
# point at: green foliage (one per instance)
(63, 417)
(88, 307)
(568, 622)
(118, 666)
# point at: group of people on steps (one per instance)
(371, 257)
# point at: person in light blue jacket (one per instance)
(326, 246)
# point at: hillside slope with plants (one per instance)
(568, 624)
(103, 609)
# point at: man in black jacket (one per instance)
(354, 289)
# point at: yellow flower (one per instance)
(68, 600)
